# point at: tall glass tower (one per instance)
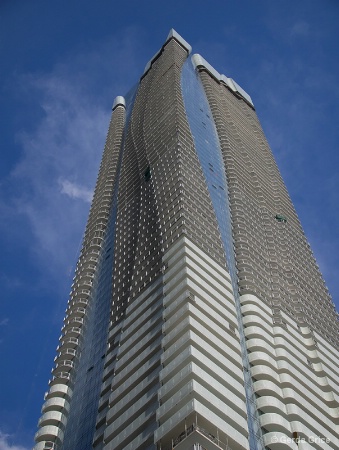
(198, 318)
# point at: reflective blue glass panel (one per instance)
(210, 156)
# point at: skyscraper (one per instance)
(198, 318)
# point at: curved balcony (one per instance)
(84, 277)
(55, 418)
(302, 420)
(84, 293)
(69, 342)
(265, 373)
(81, 299)
(94, 245)
(251, 320)
(59, 390)
(48, 433)
(88, 265)
(279, 441)
(91, 255)
(80, 284)
(267, 388)
(87, 273)
(55, 404)
(97, 237)
(70, 352)
(254, 310)
(275, 422)
(77, 321)
(72, 331)
(269, 404)
(75, 310)
(259, 345)
(247, 283)
(65, 365)
(100, 224)
(82, 302)
(89, 261)
(85, 283)
(60, 377)
(45, 445)
(67, 354)
(262, 358)
(253, 331)
(103, 216)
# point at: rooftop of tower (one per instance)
(200, 62)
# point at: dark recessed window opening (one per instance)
(281, 218)
(147, 174)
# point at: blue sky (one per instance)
(63, 62)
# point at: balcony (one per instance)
(190, 427)
(274, 422)
(55, 418)
(70, 342)
(60, 391)
(49, 445)
(45, 445)
(88, 274)
(200, 437)
(279, 441)
(68, 351)
(48, 433)
(55, 404)
(80, 293)
(71, 311)
(85, 283)
(72, 332)
(83, 302)
(60, 377)
(63, 366)
(90, 262)
(78, 321)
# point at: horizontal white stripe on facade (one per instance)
(294, 378)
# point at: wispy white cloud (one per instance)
(75, 191)
(55, 177)
(67, 144)
(6, 445)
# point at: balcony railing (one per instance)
(201, 430)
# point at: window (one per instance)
(147, 174)
(281, 218)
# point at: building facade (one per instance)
(198, 318)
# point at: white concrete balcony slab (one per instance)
(59, 390)
(194, 411)
(279, 441)
(130, 378)
(122, 397)
(113, 441)
(275, 422)
(269, 404)
(52, 418)
(48, 433)
(56, 404)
